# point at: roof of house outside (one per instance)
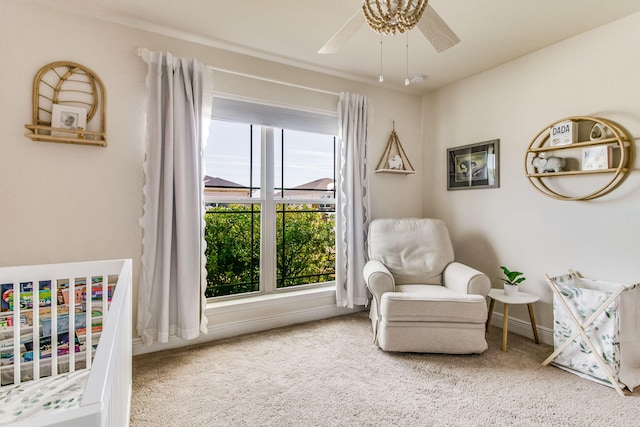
(318, 184)
(311, 189)
(211, 181)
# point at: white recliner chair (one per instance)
(423, 301)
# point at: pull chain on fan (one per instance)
(406, 80)
(381, 78)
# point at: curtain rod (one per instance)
(280, 82)
(252, 76)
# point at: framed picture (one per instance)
(474, 166)
(68, 117)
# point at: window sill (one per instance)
(241, 316)
(265, 300)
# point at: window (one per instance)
(270, 195)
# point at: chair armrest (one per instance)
(378, 279)
(465, 279)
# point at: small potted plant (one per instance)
(512, 281)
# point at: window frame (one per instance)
(267, 201)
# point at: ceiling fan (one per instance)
(387, 17)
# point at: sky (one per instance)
(307, 156)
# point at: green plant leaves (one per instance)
(512, 276)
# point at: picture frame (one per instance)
(68, 117)
(474, 166)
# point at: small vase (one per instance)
(510, 290)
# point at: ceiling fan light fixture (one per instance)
(393, 16)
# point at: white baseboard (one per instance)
(243, 316)
(523, 327)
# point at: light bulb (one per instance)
(381, 78)
(406, 81)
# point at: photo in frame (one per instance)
(474, 166)
(68, 117)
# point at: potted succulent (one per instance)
(512, 281)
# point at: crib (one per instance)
(65, 344)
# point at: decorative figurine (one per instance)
(395, 162)
(551, 164)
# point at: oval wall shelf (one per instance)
(619, 155)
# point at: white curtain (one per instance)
(173, 278)
(352, 215)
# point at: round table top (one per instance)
(520, 298)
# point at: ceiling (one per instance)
(292, 31)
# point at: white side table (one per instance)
(520, 298)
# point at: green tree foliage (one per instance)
(232, 234)
(305, 247)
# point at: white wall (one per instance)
(64, 202)
(593, 74)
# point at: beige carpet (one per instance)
(328, 373)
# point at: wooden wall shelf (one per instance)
(401, 172)
(616, 137)
(73, 85)
(394, 159)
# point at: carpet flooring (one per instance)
(329, 373)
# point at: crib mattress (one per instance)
(46, 395)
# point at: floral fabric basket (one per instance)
(601, 321)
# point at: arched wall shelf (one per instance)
(613, 135)
(61, 85)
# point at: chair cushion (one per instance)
(434, 337)
(414, 250)
(432, 303)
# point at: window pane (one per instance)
(232, 233)
(304, 165)
(232, 159)
(305, 239)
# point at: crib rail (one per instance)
(109, 383)
(106, 352)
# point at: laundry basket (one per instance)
(596, 330)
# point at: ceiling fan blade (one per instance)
(436, 30)
(343, 35)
